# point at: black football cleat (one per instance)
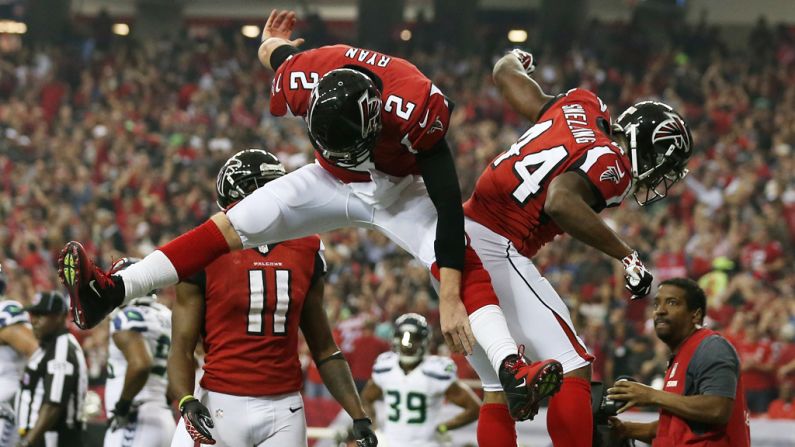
(93, 293)
(525, 386)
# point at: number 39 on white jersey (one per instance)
(413, 401)
(153, 322)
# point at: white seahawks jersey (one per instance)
(153, 321)
(413, 401)
(11, 362)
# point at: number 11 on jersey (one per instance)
(257, 302)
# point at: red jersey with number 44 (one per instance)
(510, 194)
(253, 302)
(414, 117)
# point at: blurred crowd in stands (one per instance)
(119, 146)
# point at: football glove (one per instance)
(637, 277)
(443, 434)
(363, 433)
(124, 414)
(197, 420)
(527, 60)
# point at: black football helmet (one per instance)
(243, 173)
(411, 338)
(344, 117)
(660, 144)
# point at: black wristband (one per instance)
(336, 356)
(280, 54)
(123, 406)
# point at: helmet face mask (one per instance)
(344, 117)
(659, 144)
(243, 173)
(411, 339)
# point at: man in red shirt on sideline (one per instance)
(702, 401)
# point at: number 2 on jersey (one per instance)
(544, 162)
(257, 302)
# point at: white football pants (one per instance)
(153, 428)
(309, 200)
(536, 315)
(241, 421)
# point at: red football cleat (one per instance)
(525, 386)
(93, 293)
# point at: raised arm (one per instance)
(520, 90)
(275, 34)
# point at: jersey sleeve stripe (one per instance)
(593, 155)
(436, 376)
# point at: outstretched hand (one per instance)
(280, 24)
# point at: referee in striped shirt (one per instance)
(50, 400)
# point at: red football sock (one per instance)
(496, 428)
(569, 417)
(194, 250)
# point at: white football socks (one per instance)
(491, 331)
(150, 273)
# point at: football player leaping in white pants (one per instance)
(571, 164)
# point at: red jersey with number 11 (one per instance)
(414, 116)
(510, 194)
(252, 310)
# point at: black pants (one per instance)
(66, 438)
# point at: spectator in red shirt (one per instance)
(756, 360)
(784, 406)
(366, 349)
(763, 256)
(785, 360)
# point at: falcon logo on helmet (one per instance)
(659, 146)
(370, 109)
(673, 129)
(243, 173)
